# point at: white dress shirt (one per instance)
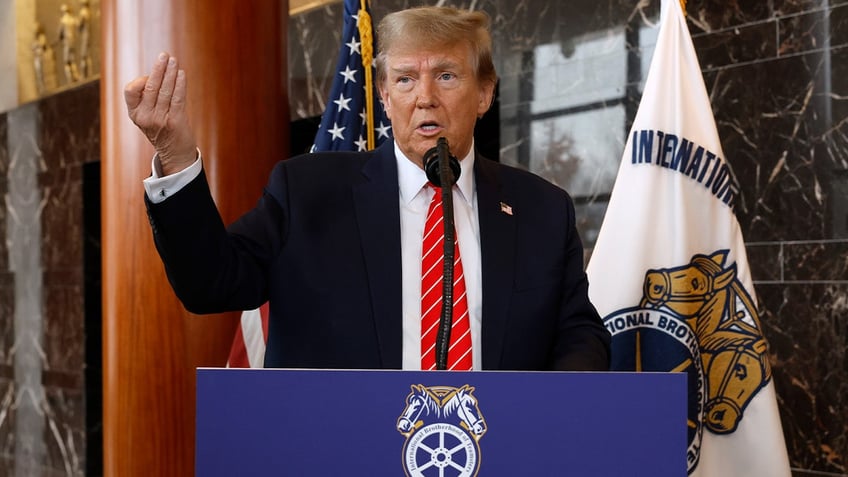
(414, 203)
(160, 187)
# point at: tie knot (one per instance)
(437, 193)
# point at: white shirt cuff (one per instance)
(160, 188)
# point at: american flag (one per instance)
(248, 349)
(344, 122)
(353, 120)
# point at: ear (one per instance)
(725, 278)
(718, 257)
(486, 97)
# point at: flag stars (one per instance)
(361, 143)
(354, 46)
(340, 129)
(337, 132)
(383, 131)
(349, 74)
(342, 102)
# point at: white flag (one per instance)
(670, 276)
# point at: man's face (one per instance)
(429, 93)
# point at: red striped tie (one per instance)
(459, 353)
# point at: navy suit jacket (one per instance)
(323, 247)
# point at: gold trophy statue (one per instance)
(68, 38)
(43, 61)
(84, 29)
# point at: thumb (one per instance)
(133, 92)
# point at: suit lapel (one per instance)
(378, 216)
(497, 250)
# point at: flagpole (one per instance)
(367, 39)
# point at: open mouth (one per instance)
(429, 127)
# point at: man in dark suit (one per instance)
(335, 243)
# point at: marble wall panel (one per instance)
(764, 260)
(732, 46)
(64, 333)
(807, 326)
(7, 307)
(71, 128)
(819, 30)
(7, 302)
(23, 229)
(7, 424)
(816, 261)
(62, 218)
(4, 151)
(66, 146)
(7, 322)
(65, 437)
(781, 118)
(708, 15)
(312, 47)
(43, 416)
(780, 152)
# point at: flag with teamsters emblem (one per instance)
(670, 276)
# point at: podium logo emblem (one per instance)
(699, 319)
(443, 426)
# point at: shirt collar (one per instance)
(412, 178)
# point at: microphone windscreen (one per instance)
(431, 165)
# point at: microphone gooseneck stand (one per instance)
(443, 169)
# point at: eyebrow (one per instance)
(443, 64)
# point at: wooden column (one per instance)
(232, 51)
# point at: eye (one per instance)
(695, 283)
(447, 76)
(404, 83)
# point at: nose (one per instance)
(426, 94)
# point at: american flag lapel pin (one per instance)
(506, 208)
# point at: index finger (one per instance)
(154, 81)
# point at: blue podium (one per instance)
(440, 424)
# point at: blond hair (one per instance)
(437, 26)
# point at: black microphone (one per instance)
(432, 164)
(443, 168)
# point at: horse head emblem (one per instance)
(464, 404)
(689, 288)
(708, 296)
(442, 403)
(420, 401)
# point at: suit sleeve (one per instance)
(583, 343)
(211, 269)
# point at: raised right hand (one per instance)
(156, 104)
